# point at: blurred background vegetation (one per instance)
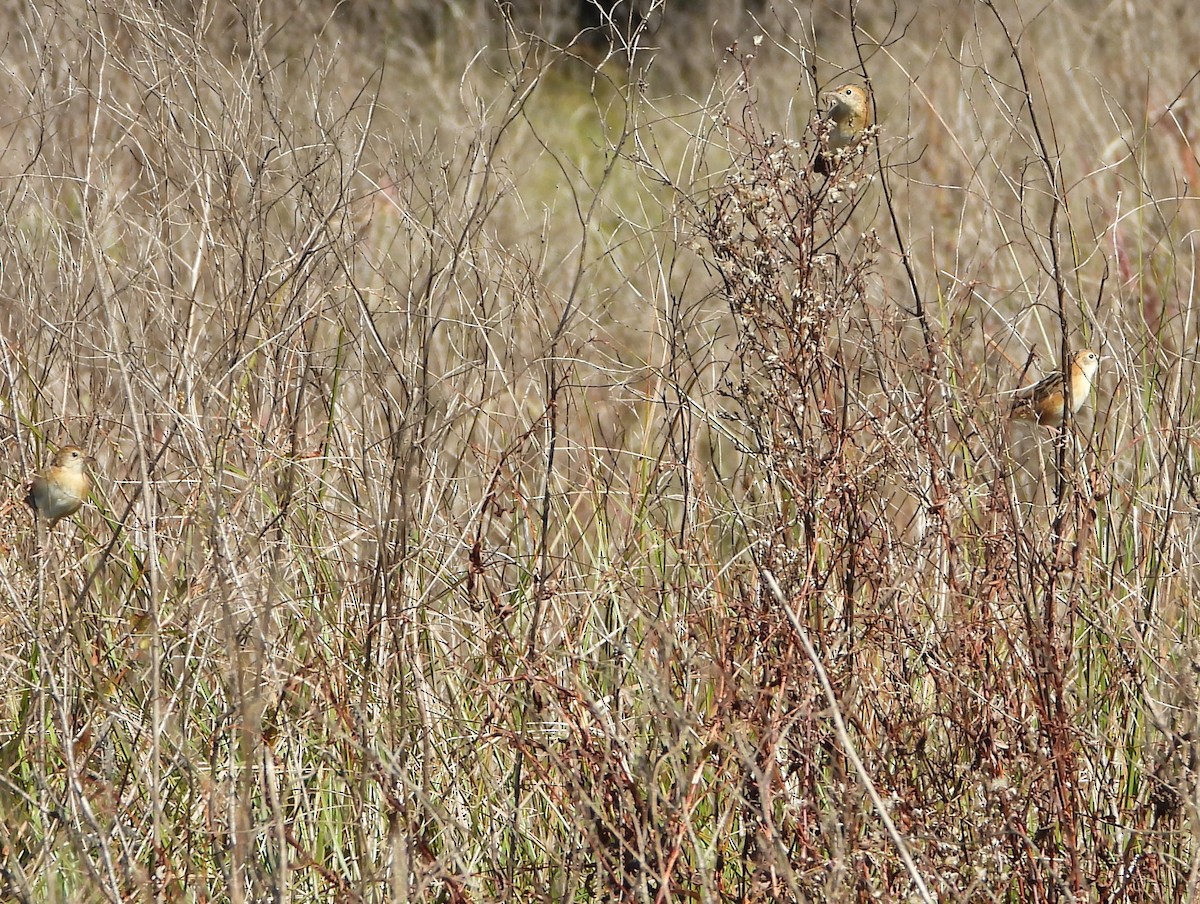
(466, 378)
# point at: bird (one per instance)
(58, 491)
(1046, 400)
(849, 115)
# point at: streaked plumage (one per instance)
(58, 491)
(1046, 400)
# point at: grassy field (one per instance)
(520, 478)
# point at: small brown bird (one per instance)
(58, 491)
(849, 115)
(1046, 400)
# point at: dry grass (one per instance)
(458, 396)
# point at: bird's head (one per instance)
(73, 457)
(849, 102)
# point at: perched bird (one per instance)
(1046, 400)
(849, 115)
(58, 491)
